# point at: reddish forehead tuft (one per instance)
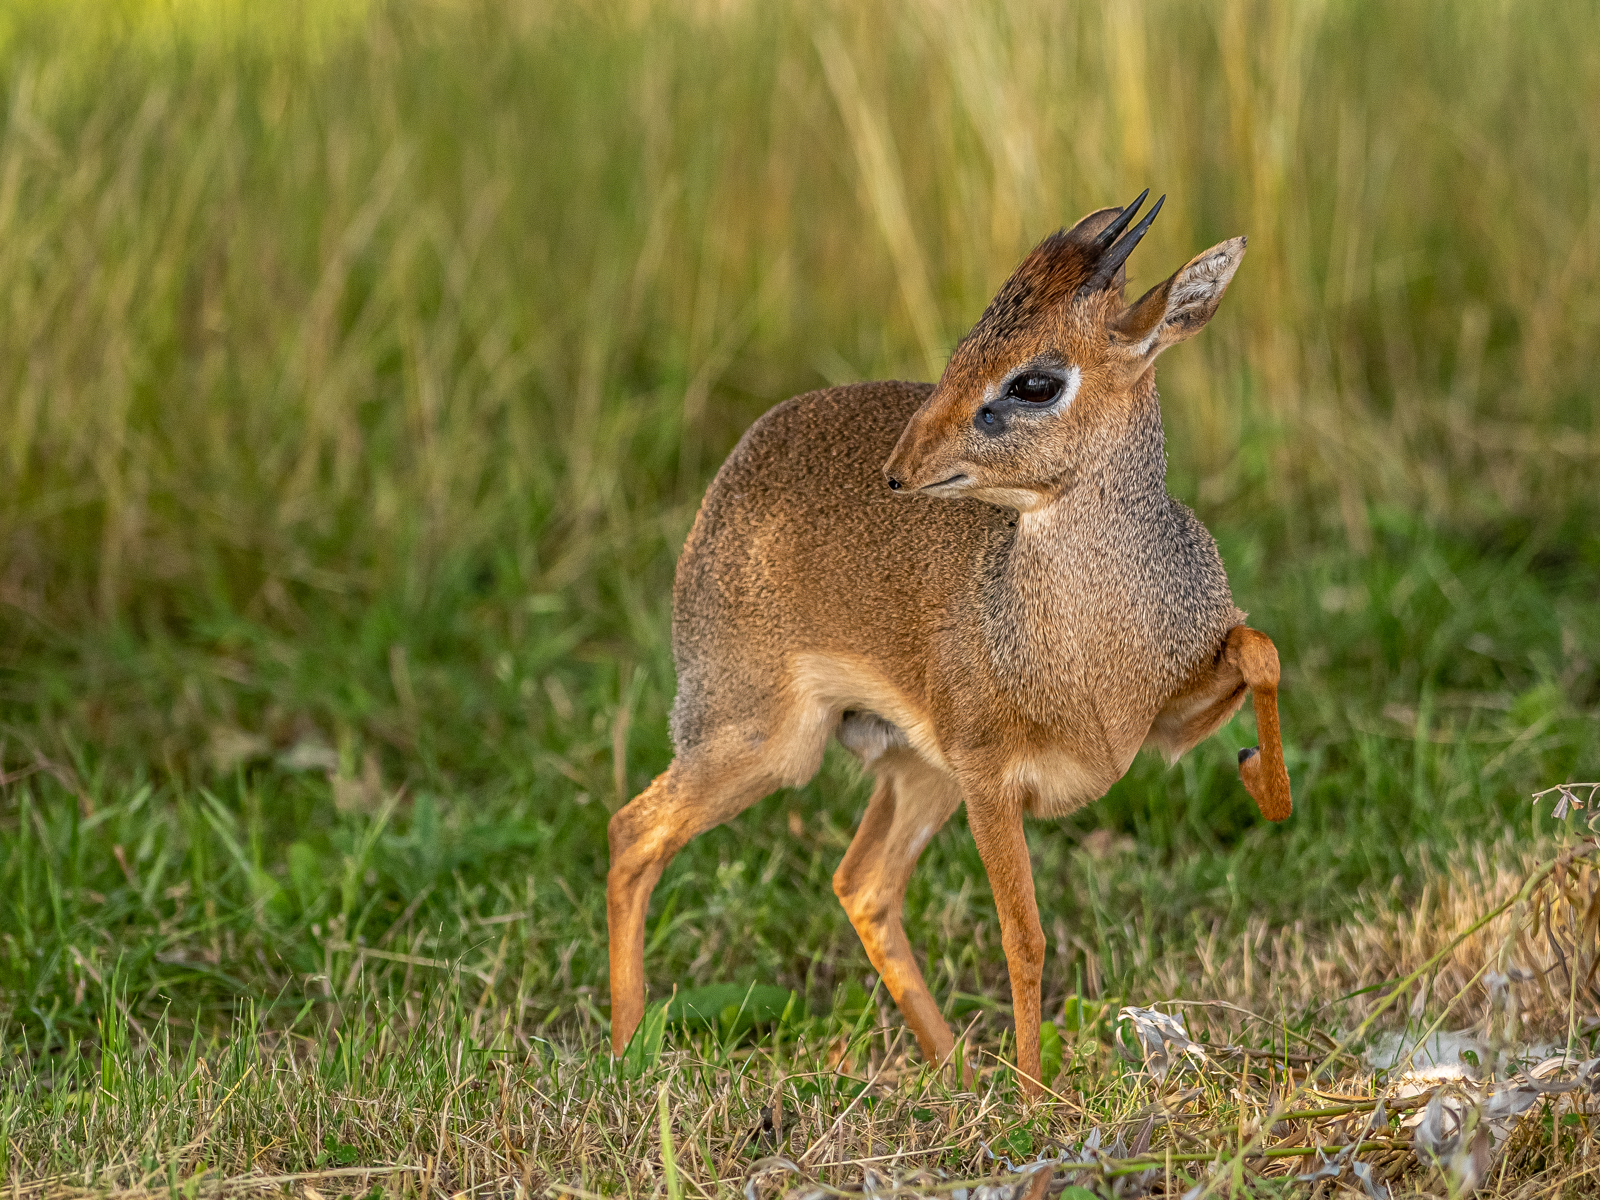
(1049, 277)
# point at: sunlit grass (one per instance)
(287, 327)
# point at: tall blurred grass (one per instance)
(311, 305)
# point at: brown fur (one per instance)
(1008, 640)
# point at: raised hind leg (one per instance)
(692, 795)
(911, 802)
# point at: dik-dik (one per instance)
(980, 587)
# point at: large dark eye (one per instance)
(1034, 388)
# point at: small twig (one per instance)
(1276, 1056)
(1023, 1074)
(436, 964)
(912, 1153)
(1568, 797)
(410, 911)
(1254, 1016)
(7, 778)
(1410, 1102)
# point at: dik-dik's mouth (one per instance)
(953, 482)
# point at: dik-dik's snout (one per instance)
(923, 458)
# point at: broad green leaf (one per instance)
(1050, 1053)
(751, 1004)
(644, 1047)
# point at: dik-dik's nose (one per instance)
(900, 471)
(907, 467)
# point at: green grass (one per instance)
(360, 372)
(1402, 743)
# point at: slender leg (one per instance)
(1246, 659)
(1263, 773)
(683, 801)
(908, 807)
(996, 821)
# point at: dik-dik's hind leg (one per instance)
(908, 807)
(687, 798)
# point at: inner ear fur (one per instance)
(1177, 307)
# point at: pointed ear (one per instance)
(1177, 308)
(1088, 228)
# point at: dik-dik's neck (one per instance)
(1083, 574)
(1111, 497)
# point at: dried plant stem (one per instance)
(1530, 885)
(1132, 1165)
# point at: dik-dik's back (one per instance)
(800, 548)
(981, 588)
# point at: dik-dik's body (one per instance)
(981, 587)
(878, 603)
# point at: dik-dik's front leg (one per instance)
(995, 817)
(1261, 769)
(1246, 659)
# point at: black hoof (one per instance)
(1247, 754)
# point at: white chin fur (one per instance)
(1021, 499)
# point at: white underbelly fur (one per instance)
(871, 719)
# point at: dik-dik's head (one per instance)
(1048, 377)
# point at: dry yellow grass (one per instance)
(1549, 963)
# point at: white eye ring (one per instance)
(1069, 381)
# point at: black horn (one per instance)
(1115, 255)
(1110, 233)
